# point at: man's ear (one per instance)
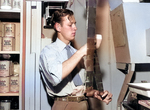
(58, 27)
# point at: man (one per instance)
(58, 68)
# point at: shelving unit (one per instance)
(16, 16)
(9, 52)
(11, 11)
(16, 45)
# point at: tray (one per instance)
(140, 88)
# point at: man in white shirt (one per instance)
(58, 67)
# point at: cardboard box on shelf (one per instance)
(16, 33)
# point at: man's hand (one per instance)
(104, 96)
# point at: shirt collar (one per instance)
(61, 44)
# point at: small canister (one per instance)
(4, 84)
(6, 4)
(14, 83)
(9, 30)
(5, 104)
(8, 44)
(16, 4)
(6, 68)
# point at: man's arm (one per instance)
(72, 62)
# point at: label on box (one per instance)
(5, 68)
(8, 44)
(4, 84)
(9, 30)
(14, 83)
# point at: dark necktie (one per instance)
(77, 80)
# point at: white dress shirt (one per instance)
(51, 59)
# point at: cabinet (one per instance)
(130, 41)
(17, 54)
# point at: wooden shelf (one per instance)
(9, 94)
(9, 52)
(10, 10)
(140, 88)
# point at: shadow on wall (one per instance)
(49, 99)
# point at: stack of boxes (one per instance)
(9, 72)
(6, 68)
(9, 77)
(9, 41)
(9, 36)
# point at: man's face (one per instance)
(68, 28)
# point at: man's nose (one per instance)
(74, 27)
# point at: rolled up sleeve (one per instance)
(51, 67)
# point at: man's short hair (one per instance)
(58, 14)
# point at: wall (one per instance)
(112, 78)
